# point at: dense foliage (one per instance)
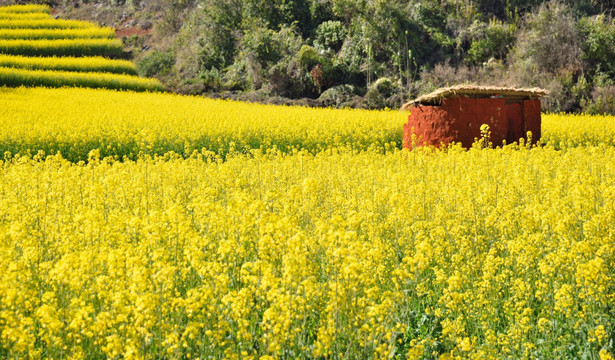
(334, 51)
(338, 50)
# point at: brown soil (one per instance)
(122, 31)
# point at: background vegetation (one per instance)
(366, 53)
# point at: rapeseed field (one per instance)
(51, 34)
(119, 124)
(486, 254)
(156, 226)
(75, 121)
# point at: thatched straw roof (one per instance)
(435, 98)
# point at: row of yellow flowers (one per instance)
(56, 78)
(44, 24)
(62, 47)
(75, 121)
(5, 15)
(51, 34)
(25, 9)
(78, 64)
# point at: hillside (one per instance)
(366, 54)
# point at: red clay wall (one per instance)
(459, 120)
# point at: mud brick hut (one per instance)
(455, 114)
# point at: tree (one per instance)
(598, 36)
(549, 40)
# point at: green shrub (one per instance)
(211, 80)
(598, 43)
(308, 57)
(338, 96)
(290, 79)
(156, 63)
(549, 41)
(384, 86)
(494, 42)
(330, 35)
(603, 101)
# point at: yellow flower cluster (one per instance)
(493, 253)
(569, 130)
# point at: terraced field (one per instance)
(36, 50)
